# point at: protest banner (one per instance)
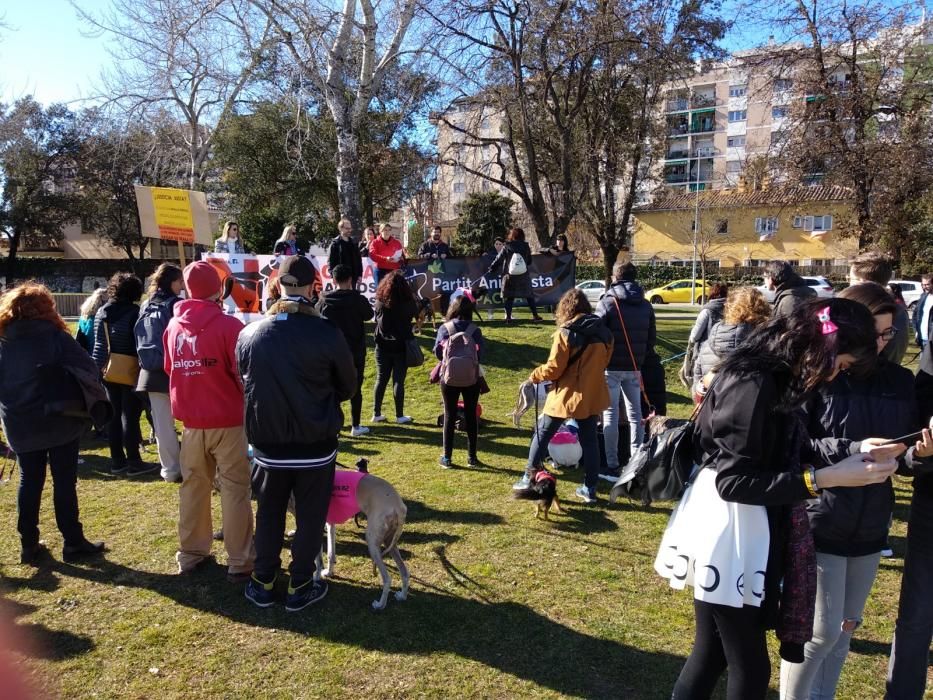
(171, 214)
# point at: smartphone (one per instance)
(906, 439)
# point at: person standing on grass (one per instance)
(709, 315)
(923, 311)
(296, 369)
(395, 312)
(33, 338)
(790, 289)
(459, 347)
(514, 263)
(630, 318)
(164, 292)
(113, 334)
(872, 266)
(207, 397)
(349, 311)
(581, 350)
(89, 308)
(850, 525)
(386, 252)
(344, 251)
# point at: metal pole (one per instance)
(696, 229)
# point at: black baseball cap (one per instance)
(296, 271)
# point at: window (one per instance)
(722, 227)
(798, 221)
(733, 167)
(736, 142)
(777, 138)
(778, 112)
(783, 84)
(459, 188)
(766, 224)
(738, 115)
(819, 223)
(737, 90)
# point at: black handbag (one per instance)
(414, 357)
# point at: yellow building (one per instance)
(741, 227)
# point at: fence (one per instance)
(69, 304)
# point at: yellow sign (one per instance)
(173, 214)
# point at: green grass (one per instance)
(502, 605)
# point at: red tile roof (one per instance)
(773, 196)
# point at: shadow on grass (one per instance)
(40, 642)
(507, 636)
(868, 647)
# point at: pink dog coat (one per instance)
(343, 504)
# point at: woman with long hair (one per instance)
(460, 320)
(576, 367)
(515, 255)
(395, 310)
(89, 307)
(165, 289)
(745, 309)
(850, 525)
(229, 241)
(33, 338)
(287, 243)
(740, 529)
(114, 334)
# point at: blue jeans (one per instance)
(628, 386)
(910, 651)
(547, 426)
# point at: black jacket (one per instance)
(917, 320)
(513, 286)
(349, 311)
(790, 295)
(296, 370)
(119, 318)
(639, 319)
(347, 253)
(24, 348)
(430, 249)
(393, 325)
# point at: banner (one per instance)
(172, 214)
(551, 276)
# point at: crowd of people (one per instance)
(802, 409)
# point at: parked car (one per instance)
(593, 289)
(911, 291)
(678, 292)
(822, 286)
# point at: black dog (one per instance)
(543, 491)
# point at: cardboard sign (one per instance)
(171, 214)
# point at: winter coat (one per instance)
(430, 249)
(297, 368)
(513, 286)
(917, 320)
(24, 348)
(393, 325)
(233, 246)
(579, 387)
(85, 333)
(349, 311)
(381, 252)
(345, 252)
(853, 522)
(156, 380)
(640, 325)
(723, 339)
(923, 389)
(709, 316)
(790, 295)
(204, 385)
(459, 326)
(113, 331)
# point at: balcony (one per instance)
(675, 178)
(678, 154)
(703, 126)
(706, 152)
(679, 129)
(700, 101)
(681, 104)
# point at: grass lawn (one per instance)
(501, 604)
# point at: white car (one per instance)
(911, 290)
(820, 285)
(593, 289)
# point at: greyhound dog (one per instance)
(528, 394)
(357, 492)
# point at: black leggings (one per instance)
(470, 398)
(356, 401)
(124, 432)
(394, 365)
(508, 302)
(726, 637)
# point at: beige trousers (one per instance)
(206, 453)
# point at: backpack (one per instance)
(517, 265)
(148, 331)
(460, 363)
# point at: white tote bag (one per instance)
(718, 547)
(517, 265)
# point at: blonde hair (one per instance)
(223, 236)
(746, 305)
(383, 227)
(289, 228)
(90, 305)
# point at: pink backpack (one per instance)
(460, 361)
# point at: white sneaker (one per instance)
(401, 420)
(378, 419)
(358, 430)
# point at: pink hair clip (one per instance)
(824, 318)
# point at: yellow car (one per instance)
(678, 292)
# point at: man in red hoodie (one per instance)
(207, 396)
(386, 252)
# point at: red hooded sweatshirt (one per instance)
(204, 384)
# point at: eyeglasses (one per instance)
(888, 334)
